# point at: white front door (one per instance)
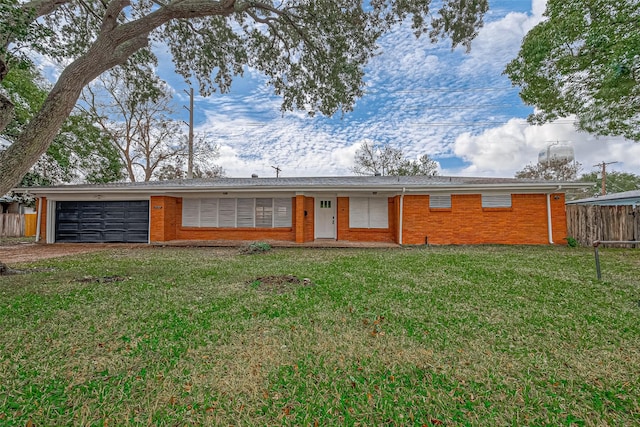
(325, 218)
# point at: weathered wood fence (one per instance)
(17, 225)
(587, 223)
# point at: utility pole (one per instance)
(278, 170)
(603, 165)
(190, 109)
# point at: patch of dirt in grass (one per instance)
(278, 284)
(7, 271)
(29, 252)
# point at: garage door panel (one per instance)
(67, 226)
(115, 226)
(114, 214)
(137, 236)
(137, 227)
(114, 236)
(88, 206)
(138, 215)
(104, 221)
(90, 236)
(89, 215)
(143, 204)
(90, 226)
(67, 215)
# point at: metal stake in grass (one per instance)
(597, 243)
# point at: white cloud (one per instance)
(503, 150)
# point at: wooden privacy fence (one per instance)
(588, 223)
(17, 225)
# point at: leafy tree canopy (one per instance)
(553, 170)
(615, 182)
(313, 52)
(584, 60)
(378, 159)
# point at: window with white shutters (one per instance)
(358, 212)
(440, 201)
(282, 212)
(265, 212)
(191, 212)
(245, 212)
(378, 213)
(368, 212)
(209, 213)
(496, 200)
(227, 213)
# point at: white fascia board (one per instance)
(229, 194)
(147, 191)
(84, 197)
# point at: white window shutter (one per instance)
(358, 212)
(282, 212)
(209, 213)
(496, 200)
(264, 213)
(227, 213)
(245, 212)
(440, 201)
(378, 213)
(190, 212)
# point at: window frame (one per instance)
(362, 216)
(440, 198)
(497, 201)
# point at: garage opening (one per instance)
(102, 221)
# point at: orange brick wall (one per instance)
(163, 218)
(558, 218)
(468, 223)
(364, 234)
(309, 226)
(43, 219)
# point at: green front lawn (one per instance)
(481, 336)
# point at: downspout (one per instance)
(39, 219)
(401, 215)
(549, 222)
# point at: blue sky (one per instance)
(421, 97)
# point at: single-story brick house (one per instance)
(404, 210)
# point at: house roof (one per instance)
(396, 184)
(613, 199)
(7, 199)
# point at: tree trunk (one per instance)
(6, 111)
(38, 134)
(42, 129)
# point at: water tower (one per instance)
(557, 152)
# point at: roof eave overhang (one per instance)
(396, 188)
